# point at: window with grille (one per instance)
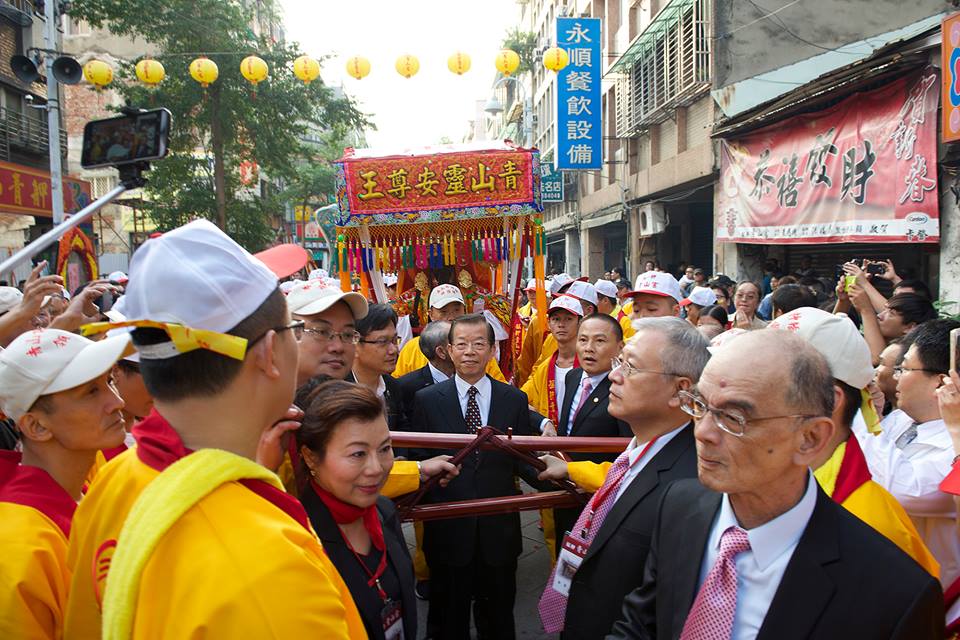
(672, 67)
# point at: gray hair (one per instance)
(685, 352)
(810, 389)
(433, 336)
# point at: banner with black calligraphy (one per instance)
(864, 170)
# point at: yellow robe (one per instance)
(626, 323)
(33, 574)
(205, 577)
(874, 505)
(535, 350)
(411, 359)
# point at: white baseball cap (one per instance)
(9, 298)
(605, 288)
(318, 274)
(836, 338)
(389, 280)
(287, 286)
(198, 277)
(658, 284)
(700, 296)
(45, 361)
(118, 276)
(444, 294)
(531, 285)
(722, 340)
(315, 296)
(558, 282)
(568, 303)
(583, 291)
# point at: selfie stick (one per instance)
(130, 178)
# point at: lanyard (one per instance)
(374, 580)
(605, 491)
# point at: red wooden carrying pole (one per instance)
(424, 440)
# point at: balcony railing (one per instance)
(22, 133)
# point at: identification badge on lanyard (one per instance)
(572, 550)
(391, 616)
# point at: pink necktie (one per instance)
(587, 388)
(553, 605)
(711, 616)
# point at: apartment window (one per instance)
(670, 66)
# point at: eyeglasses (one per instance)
(898, 371)
(384, 342)
(733, 423)
(629, 369)
(296, 327)
(348, 336)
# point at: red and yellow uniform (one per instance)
(242, 561)
(35, 515)
(846, 479)
(625, 321)
(537, 347)
(411, 359)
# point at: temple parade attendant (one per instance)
(56, 386)
(211, 545)
(446, 303)
(538, 344)
(546, 386)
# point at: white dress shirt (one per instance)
(578, 394)
(381, 385)
(561, 379)
(637, 464)
(913, 475)
(438, 376)
(485, 391)
(759, 569)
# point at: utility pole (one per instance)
(53, 111)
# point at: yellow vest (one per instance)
(33, 574)
(626, 323)
(411, 359)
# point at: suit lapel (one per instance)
(645, 482)
(806, 588)
(496, 416)
(451, 406)
(596, 398)
(692, 536)
(571, 382)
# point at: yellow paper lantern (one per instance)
(150, 72)
(459, 63)
(98, 73)
(254, 69)
(358, 67)
(407, 65)
(555, 58)
(507, 61)
(306, 68)
(204, 70)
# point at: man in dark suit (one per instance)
(439, 367)
(759, 551)
(664, 358)
(376, 356)
(473, 560)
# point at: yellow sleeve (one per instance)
(627, 325)
(549, 348)
(410, 358)
(587, 475)
(33, 574)
(878, 508)
(493, 369)
(404, 478)
(536, 389)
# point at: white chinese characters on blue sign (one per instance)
(579, 125)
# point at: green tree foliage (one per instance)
(525, 44)
(216, 129)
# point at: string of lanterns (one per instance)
(255, 69)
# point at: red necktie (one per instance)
(711, 616)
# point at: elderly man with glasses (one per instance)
(601, 559)
(756, 548)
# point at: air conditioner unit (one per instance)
(653, 219)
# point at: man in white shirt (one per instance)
(914, 453)
(664, 357)
(757, 550)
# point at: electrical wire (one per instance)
(784, 27)
(752, 22)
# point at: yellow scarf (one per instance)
(163, 502)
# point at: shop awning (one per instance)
(604, 218)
